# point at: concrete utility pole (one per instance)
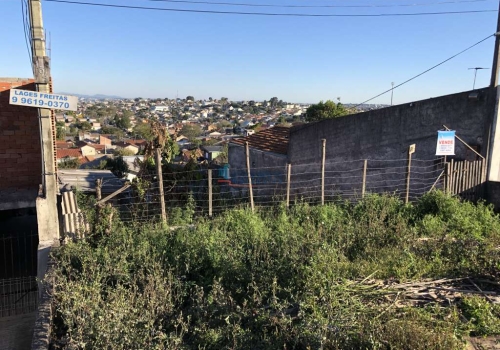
(496, 61)
(493, 155)
(494, 142)
(46, 202)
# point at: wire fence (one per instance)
(210, 191)
(18, 287)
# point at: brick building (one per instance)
(20, 150)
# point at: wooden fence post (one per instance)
(363, 188)
(160, 185)
(288, 176)
(250, 188)
(411, 150)
(452, 177)
(210, 192)
(447, 178)
(98, 196)
(323, 159)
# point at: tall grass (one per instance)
(278, 279)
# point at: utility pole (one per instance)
(496, 62)
(493, 166)
(46, 202)
(48, 221)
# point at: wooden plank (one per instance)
(465, 143)
(288, 177)
(323, 159)
(250, 189)
(160, 186)
(363, 188)
(459, 177)
(117, 192)
(452, 177)
(473, 180)
(210, 192)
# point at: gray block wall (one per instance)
(386, 133)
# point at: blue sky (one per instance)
(144, 53)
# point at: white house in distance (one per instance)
(155, 109)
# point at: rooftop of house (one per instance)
(71, 153)
(85, 180)
(212, 148)
(64, 144)
(273, 140)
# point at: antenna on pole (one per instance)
(475, 74)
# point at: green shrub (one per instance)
(284, 278)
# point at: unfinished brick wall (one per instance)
(20, 150)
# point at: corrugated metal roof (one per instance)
(85, 179)
(271, 140)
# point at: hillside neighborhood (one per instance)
(249, 222)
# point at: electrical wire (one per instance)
(27, 29)
(315, 6)
(426, 71)
(269, 13)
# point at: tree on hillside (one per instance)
(122, 122)
(111, 130)
(191, 131)
(143, 131)
(83, 125)
(325, 110)
(60, 131)
(273, 102)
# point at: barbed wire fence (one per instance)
(209, 191)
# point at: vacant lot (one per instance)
(373, 275)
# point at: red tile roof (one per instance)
(71, 153)
(273, 140)
(63, 144)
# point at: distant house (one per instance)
(103, 140)
(127, 146)
(133, 166)
(139, 143)
(156, 109)
(64, 144)
(68, 154)
(215, 134)
(211, 152)
(88, 151)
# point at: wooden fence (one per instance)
(466, 179)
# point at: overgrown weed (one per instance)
(278, 279)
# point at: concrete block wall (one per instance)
(20, 154)
(386, 133)
(383, 136)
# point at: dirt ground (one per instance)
(487, 343)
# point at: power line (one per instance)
(27, 29)
(428, 70)
(316, 6)
(269, 13)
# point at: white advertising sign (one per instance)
(43, 100)
(445, 143)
